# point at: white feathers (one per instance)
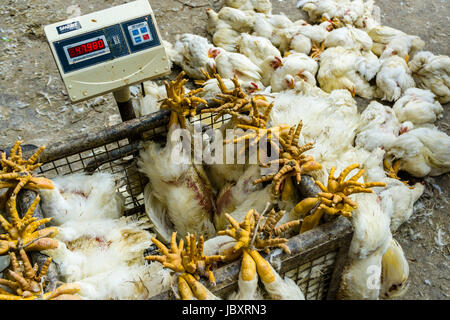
(101, 252)
(395, 272)
(350, 38)
(154, 96)
(295, 67)
(371, 225)
(394, 78)
(193, 55)
(397, 198)
(257, 48)
(283, 289)
(432, 72)
(178, 184)
(422, 151)
(247, 290)
(342, 68)
(80, 197)
(231, 64)
(418, 106)
(379, 127)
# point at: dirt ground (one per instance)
(34, 106)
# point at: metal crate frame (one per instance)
(317, 258)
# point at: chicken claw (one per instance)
(190, 260)
(250, 235)
(392, 171)
(292, 160)
(316, 51)
(181, 104)
(334, 198)
(242, 233)
(22, 234)
(26, 281)
(170, 258)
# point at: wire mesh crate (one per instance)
(317, 258)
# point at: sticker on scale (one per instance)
(86, 49)
(140, 33)
(68, 27)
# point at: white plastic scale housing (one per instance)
(108, 50)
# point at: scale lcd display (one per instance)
(86, 49)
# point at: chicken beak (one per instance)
(291, 84)
(407, 58)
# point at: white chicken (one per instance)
(81, 197)
(299, 36)
(97, 249)
(394, 78)
(342, 68)
(238, 198)
(257, 48)
(154, 96)
(391, 41)
(211, 87)
(433, 73)
(371, 17)
(361, 276)
(194, 54)
(349, 37)
(403, 46)
(316, 32)
(395, 272)
(323, 115)
(271, 27)
(179, 185)
(378, 127)
(396, 192)
(295, 67)
(418, 106)
(230, 64)
(346, 10)
(106, 258)
(268, 67)
(422, 151)
(262, 6)
(222, 33)
(238, 20)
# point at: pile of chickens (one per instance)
(295, 82)
(273, 83)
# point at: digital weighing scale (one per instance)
(107, 51)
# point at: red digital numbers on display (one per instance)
(86, 48)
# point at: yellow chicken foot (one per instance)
(263, 267)
(189, 288)
(316, 51)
